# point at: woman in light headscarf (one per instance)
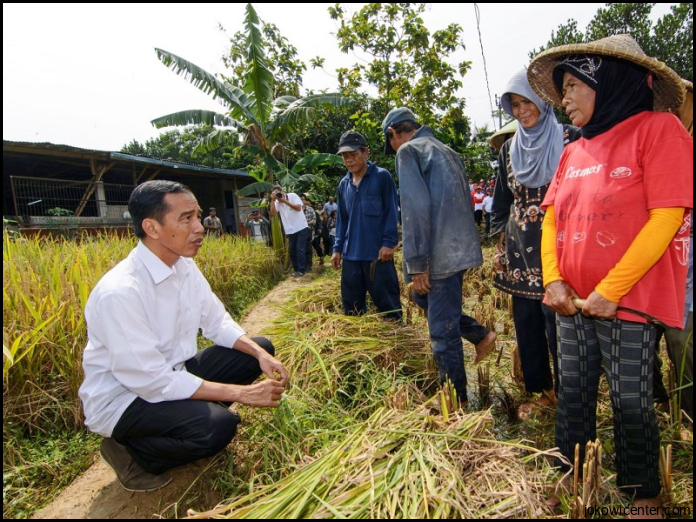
(615, 242)
(526, 165)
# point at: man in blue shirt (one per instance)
(330, 206)
(366, 231)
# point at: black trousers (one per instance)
(383, 288)
(308, 253)
(535, 330)
(160, 436)
(316, 244)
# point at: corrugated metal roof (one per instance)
(67, 150)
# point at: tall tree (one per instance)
(406, 63)
(253, 108)
(671, 39)
(281, 59)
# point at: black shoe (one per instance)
(129, 473)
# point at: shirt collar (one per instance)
(158, 270)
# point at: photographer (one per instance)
(258, 227)
(289, 206)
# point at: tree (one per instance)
(406, 62)
(669, 40)
(281, 59)
(179, 145)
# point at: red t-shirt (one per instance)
(602, 192)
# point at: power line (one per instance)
(485, 70)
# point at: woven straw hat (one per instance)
(504, 134)
(686, 111)
(667, 85)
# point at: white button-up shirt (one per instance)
(142, 325)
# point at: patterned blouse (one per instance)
(516, 211)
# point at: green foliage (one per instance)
(670, 40)
(405, 62)
(281, 59)
(253, 107)
(180, 145)
(35, 468)
(59, 212)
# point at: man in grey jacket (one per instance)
(440, 240)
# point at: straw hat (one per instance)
(667, 85)
(504, 134)
(686, 111)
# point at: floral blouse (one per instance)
(516, 211)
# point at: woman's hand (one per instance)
(559, 298)
(598, 307)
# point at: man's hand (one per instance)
(273, 368)
(264, 394)
(336, 260)
(598, 307)
(559, 298)
(421, 283)
(385, 254)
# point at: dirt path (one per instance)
(97, 494)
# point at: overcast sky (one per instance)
(87, 75)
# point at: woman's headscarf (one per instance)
(621, 86)
(534, 152)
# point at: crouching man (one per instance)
(156, 399)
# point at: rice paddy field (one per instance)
(364, 430)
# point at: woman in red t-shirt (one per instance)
(614, 236)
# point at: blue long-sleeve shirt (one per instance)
(367, 215)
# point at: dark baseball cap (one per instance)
(395, 116)
(254, 212)
(351, 141)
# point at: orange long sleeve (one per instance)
(549, 259)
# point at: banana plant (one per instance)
(251, 110)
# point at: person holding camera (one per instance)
(258, 227)
(289, 206)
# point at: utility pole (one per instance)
(500, 112)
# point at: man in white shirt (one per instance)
(488, 209)
(290, 208)
(147, 389)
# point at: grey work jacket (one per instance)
(437, 216)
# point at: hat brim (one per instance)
(667, 86)
(505, 133)
(348, 148)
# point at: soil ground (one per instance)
(97, 494)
